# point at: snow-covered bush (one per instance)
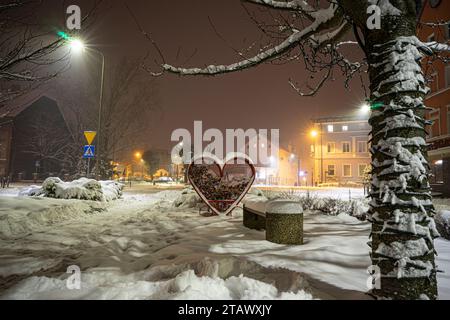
(334, 207)
(360, 209)
(82, 189)
(31, 191)
(112, 190)
(443, 224)
(188, 199)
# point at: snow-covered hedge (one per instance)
(330, 206)
(443, 224)
(82, 189)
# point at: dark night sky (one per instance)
(258, 98)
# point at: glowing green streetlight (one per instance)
(371, 105)
(63, 35)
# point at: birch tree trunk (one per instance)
(403, 228)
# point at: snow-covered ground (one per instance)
(142, 247)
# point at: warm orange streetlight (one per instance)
(138, 155)
(314, 134)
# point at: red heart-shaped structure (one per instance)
(222, 188)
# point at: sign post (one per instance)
(89, 149)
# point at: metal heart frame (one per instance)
(221, 165)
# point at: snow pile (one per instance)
(82, 189)
(22, 216)
(31, 191)
(443, 223)
(188, 199)
(112, 284)
(256, 203)
(256, 192)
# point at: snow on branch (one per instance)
(327, 37)
(271, 53)
(438, 47)
(326, 19)
(294, 5)
(291, 5)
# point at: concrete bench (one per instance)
(282, 219)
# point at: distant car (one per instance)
(163, 180)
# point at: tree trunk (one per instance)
(402, 212)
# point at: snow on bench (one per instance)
(282, 219)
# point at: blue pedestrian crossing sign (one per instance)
(89, 152)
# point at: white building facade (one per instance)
(340, 151)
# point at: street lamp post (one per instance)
(140, 161)
(314, 134)
(100, 109)
(78, 46)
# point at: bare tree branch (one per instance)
(328, 18)
(26, 46)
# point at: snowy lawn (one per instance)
(142, 247)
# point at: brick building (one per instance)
(438, 12)
(33, 139)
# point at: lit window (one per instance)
(347, 170)
(331, 170)
(346, 147)
(344, 128)
(331, 147)
(330, 128)
(362, 147)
